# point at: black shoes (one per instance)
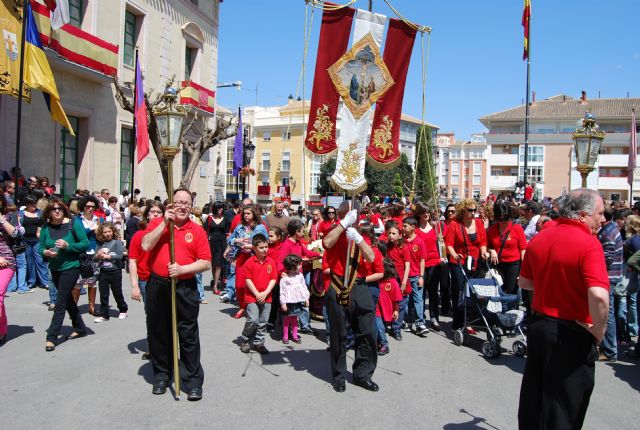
(306, 330)
(159, 387)
(195, 394)
(50, 346)
(339, 386)
(76, 335)
(367, 384)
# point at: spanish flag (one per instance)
(37, 72)
(526, 18)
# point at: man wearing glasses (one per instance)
(192, 255)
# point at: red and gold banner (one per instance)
(334, 38)
(526, 18)
(198, 96)
(383, 151)
(76, 45)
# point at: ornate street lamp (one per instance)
(249, 150)
(587, 142)
(169, 119)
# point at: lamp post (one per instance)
(587, 142)
(248, 151)
(169, 119)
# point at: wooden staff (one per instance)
(172, 256)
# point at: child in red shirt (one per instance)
(398, 253)
(261, 274)
(418, 254)
(388, 306)
(275, 247)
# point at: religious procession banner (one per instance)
(11, 28)
(362, 82)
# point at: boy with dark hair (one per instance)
(418, 255)
(261, 275)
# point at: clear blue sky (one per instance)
(475, 63)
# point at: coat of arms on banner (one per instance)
(360, 76)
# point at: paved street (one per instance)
(101, 381)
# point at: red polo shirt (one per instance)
(260, 273)
(390, 296)
(417, 252)
(336, 256)
(367, 269)
(137, 253)
(516, 242)
(191, 245)
(399, 255)
(564, 262)
(325, 227)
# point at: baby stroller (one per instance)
(487, 308)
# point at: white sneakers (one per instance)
(100, 320)
(122, 315)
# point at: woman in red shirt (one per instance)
(506, 242)
(398, 252)
(435, 263)
(466, 242)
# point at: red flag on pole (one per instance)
(526, 18)
(633, 148)
(140, 116)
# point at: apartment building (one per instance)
(461, 166)
(551, 159)
(177, 38)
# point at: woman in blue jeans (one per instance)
(31, 220)
(19, 280)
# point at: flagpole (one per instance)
(20, 91)
(134, 140)
(526, 109)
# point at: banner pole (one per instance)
(20, 92)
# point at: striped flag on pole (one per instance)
(526, 18)
(633, 148)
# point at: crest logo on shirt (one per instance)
(415, 248)
(387, 286)
(269, 268)
(188, 237)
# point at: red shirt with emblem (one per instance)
(260, 273)
(417, 252)
(399, 255)
(390, 296)
(564, 262)
(274, 252)
(367, 269)
(137, 253)
(191, 245)
(514, 244)
(325, 227)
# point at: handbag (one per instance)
(86, 260)
(17, 243)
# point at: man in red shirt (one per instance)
(565, 268)
(193, 255)
(350, 303)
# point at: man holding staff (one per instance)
(192, 255)
(349, 303)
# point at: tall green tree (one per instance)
(379, 181)
(426, 181)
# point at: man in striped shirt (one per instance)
(611, 240)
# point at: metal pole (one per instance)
(132, 150)
(20, 91)
(172, 255)
(526, 109)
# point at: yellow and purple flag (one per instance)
(37, 72)
(526, 18)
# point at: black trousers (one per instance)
(445, 288)
(360, 315)
(160, 334)
(433, 282)
(509, 272)
(65, 281)
(559, 375)
(111, 280)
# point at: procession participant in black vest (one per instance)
(350, 304)
(192, 255)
